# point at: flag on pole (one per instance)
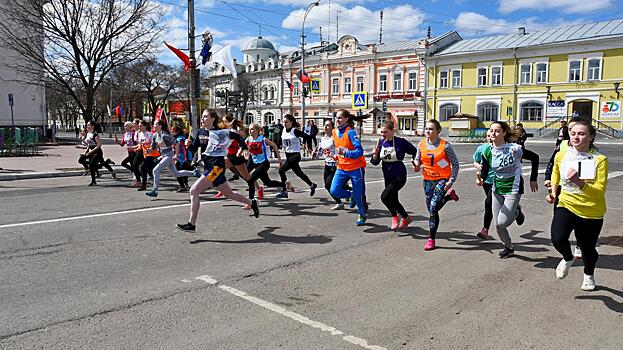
(207, 46)
(303, 77)
(223, 57)
(181, 55)
(119, 110)
(109, 112)
(290, 86)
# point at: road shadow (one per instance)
(267, 236)
(291, 208)
(608, 301)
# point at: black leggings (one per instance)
(146, 168)
(260, 171)
(183, 180)
(488, 212)
(136, 165)
(292, 162)
(96, 161)
(586, 232)
(389, 196)
(128, 161)
(329, 173)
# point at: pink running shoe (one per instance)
(218, 195)
(404, 223)
(260, 193)
(246, 207)
(452, 193)
(484, 233)
(395, 220)
(430, 244)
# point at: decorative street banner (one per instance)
(315, 85)
(610, 110)
(360, 100)
(556, 109)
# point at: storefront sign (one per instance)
(556, 109)
(396, 96)
(610, 110)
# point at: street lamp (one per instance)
(309, 7)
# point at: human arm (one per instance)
(304, 136)
(241, 142)
(454, 162)
(375, 158)
(417, 163)
(274, 147)
(358, 149)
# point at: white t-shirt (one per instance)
(291, 143)
(327, 151)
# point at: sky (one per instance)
(237, 22)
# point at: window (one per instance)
(447, 110)
(265, 93)
(541, 73)
(296, 88)
(257, 58)
(456, 78)
(335, 86)
(526, 73)
(397, 82)
(412, 81)
(360, 84)
(383, 82)
(443, 79)
(347, 86)
(594, 69)
(575, 72)
(496, 75)
(482, 76)
(488, 112)
(532, 112)
(272, 92)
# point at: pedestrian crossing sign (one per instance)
(360, 100)
(315, 85)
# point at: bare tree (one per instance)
(248, 92)
(156, 81)
(77, 43)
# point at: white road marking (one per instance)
(615, 174)
(207, 279)
(292, 315)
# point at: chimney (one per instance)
(522, 31)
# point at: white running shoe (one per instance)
(577, 254)
(589, 282)
(338, 206)
(563, 268)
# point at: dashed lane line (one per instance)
(290, 314)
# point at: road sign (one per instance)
(509, 111)
(11, 100)
(315, 85)
(360, 100)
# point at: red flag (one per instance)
(181, 55)
(303, 77)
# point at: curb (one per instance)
(52, 174)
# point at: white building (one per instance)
(29, 100)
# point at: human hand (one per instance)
(550, 198)
(534, 186)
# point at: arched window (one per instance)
(447, 110)
(272, 92)
(248, 118)
(531, 112)
(269, 117)
(488, 112)
(264, 93)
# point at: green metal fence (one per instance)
(25, 142)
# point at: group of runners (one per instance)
(576, 183)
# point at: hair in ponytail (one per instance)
(351, 117)
(291, 118)
(511, 135)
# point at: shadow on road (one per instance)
(267, 236)
(607, 300)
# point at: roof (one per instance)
(398, 46)
(553, 35)
(259, 43)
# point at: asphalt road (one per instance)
(104, 267)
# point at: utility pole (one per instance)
(337, 25)
(381, 30)
(193, 66)
(309, 7)
(110, 113)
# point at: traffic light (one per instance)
(305, 92)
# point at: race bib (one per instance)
(388, 154)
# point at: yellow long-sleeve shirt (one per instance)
(588, 202)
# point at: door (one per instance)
(583, 110)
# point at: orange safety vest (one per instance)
(343, 163)
(435, 162)
(148, 151)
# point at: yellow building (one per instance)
(535, 78)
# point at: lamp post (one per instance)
(309, 7)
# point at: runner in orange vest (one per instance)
(440, 168)
(350, 163)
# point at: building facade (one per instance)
(389, 75)
(533, 78)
